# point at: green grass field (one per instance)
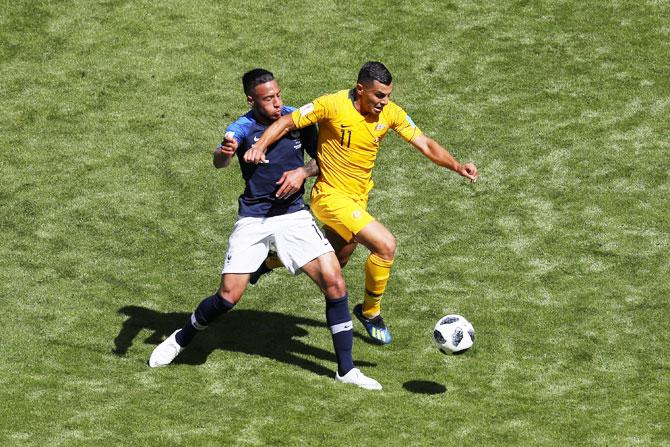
(114, 225)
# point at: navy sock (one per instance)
(206, 312)
(338, 319)
(262, 270)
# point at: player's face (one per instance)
(266, 101)
(373, 97)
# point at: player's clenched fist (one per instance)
(228, 145)
(255, 155)
(468, 170)
(225, 151)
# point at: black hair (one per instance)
(374, 71)
(255, 77)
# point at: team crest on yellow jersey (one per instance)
(380, 126)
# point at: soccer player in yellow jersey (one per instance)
(352, 124)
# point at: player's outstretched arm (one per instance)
(441, 157)
(225, 151)
(273, 133)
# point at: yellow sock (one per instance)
(377, 272)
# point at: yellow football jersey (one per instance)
(348, 141)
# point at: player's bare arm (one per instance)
(224, 152)
(441, 157)
(273, 133)
(292, 181)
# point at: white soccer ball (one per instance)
(454, 334)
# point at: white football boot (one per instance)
(165, 353)
(356, 377)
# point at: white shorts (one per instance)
(294, 236)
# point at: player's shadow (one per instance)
(268, 334)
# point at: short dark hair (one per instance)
(374, 71)
(255, 77)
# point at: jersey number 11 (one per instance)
(344, 132)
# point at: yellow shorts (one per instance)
(344, 214)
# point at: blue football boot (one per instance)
(375, 327)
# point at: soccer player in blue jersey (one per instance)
(272, 213)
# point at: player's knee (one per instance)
(386, 249)
(334, 285)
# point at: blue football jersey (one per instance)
(258, 199)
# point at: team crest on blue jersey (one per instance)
(295, 135)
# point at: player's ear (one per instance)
(360, 88)
(250, 100)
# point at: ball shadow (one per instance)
(424, 387)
